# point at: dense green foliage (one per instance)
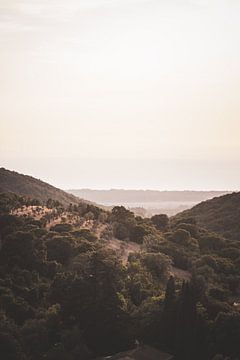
(220, 215)
(65, 295)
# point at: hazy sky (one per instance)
(121, 93)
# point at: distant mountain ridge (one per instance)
(221, 215)
(25, 185)
(147, 203)
(121, 195)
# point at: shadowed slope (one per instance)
(221, 215)
(24, 185)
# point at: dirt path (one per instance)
(180, 274)
(123, 248)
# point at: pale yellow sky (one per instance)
(155, 80)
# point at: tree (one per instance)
(19, 246)
(226, 331)
(181, 236)
(10, 348)
(186, 323)
(120, 231)
(168, 319)
(59, 248)
(160, 221)
(121, 214)
(61, 228)
(170, 294)
(158, 264)
(137, 234)
(93, 300)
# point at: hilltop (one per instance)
(24, 185)
(220, 215)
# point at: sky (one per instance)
(121, 93)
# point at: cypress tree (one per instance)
(169, 315)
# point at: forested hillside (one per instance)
(66, 294)
(221, 214)
(11, 181)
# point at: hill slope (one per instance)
(24, 185)
(221, 215)
(62, 271)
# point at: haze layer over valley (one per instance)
(147, 202)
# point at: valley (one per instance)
(147, 203)
(87, 282)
